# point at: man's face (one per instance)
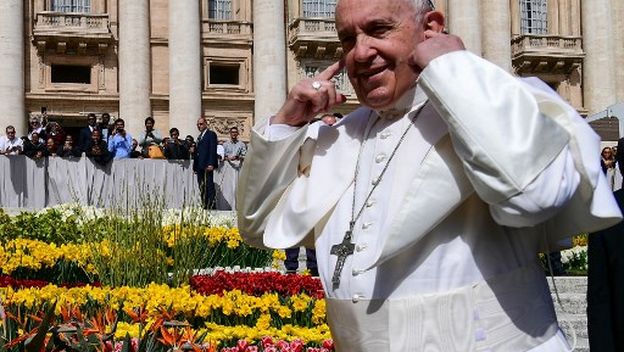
(149, 125)
(91, 120)
(96, 136)
(175, 135)
(377, 38)
(10, 134)
(34, 137)
(119, 125)
(234, 134)
(201, 125)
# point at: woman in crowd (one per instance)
(34, 147)
(68, 149)
(55, 131)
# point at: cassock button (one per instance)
(370, 203)
(356, 298)
(385, 134)
(366, 225)
(356, 272)
(361, 247)
(375, 181)
(380, 158)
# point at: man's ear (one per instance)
(434, 20)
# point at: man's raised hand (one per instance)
(311, 96)
(435, 44)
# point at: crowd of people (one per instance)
(103, 141)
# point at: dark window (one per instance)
(224, 74)
(71, 74)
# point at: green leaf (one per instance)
(127, 344)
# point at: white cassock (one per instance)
(493, 170)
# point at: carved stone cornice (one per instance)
(314, 38)
(82, 33)
(227, 32)
(538, 54)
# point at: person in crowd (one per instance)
(10, 144)
(605, 286)
(55, 131)
(120, 142)
(86, 133)
(607, 159)
(50, 147)
(34, 148)
(149, 137)
(35, 126)
(608, 163)
(291, 263)
(97, 149)
(428, 205)
(105, 127)
(205, 163)
(174, 148)
(68, 149)
(135, 153)
(189, 143)
(234, 151)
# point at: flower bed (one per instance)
(52, 263)
(224, 319)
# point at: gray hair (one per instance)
(421, 7)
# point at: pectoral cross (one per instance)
(342, 250)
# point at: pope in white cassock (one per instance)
(429, 204)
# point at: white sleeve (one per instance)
(276, 132)
(543, 197)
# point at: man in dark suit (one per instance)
(205, 162)
(84, 138)
(605, 285)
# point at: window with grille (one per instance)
(79, 6)
(220, 9)
(319, 8)
(534, 16)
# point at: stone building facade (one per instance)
(233, 60)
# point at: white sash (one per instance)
(510, 312)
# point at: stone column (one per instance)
(598, 66)
(185, 74)
(12, 89)
(134, 64)
(464, 17)
(497, 34)
(618, 46)
(269, 59)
